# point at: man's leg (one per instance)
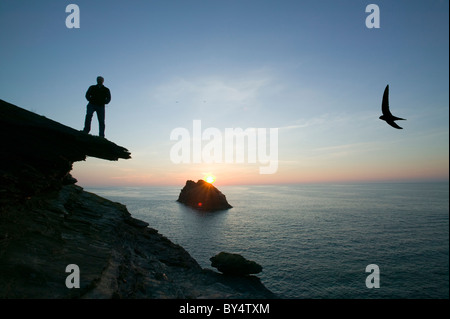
(87, 121)
(101, 120)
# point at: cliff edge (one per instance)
(36, 153)
(48, 224)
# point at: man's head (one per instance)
(100, 80)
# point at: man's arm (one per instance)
(88, 94)
(108, 96)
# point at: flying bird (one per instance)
(387, 115)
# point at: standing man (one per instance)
(97, 95)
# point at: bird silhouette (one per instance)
(387, 115)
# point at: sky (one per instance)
(310, 75)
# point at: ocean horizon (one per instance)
(315, 241)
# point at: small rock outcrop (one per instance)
(234, 264)
(203, 196)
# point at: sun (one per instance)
(210, 179)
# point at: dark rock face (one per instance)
(203, 196)
(36, 153)
(48, 223)
(234, 264)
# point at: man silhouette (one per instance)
(97, 95)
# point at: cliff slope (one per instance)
(48, 223)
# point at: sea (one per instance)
(315, 241)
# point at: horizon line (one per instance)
(349, 182)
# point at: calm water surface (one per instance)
(315, 241)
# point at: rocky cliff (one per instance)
(48, 223)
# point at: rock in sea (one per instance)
(234, 264)
(203, 196)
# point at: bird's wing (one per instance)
(385, 103)
(393, 124)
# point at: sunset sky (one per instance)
(310, 69)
